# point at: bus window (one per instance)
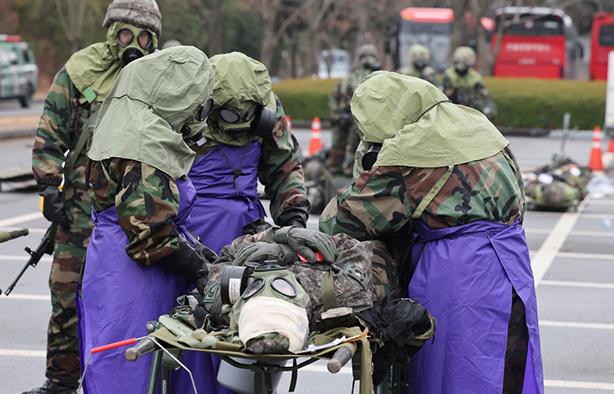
(606, 36)
(529, 25)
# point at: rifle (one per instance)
(46, 246)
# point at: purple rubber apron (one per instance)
(464, 277)
(118, 297)
(226, 182)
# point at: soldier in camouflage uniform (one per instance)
(464, 85)
(345, 137)
(74, 97)
(141, 256)
(445, 178)
(418, 66)
(246, 139)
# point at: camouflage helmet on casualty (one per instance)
(142, 13)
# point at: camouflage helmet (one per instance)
(419, 52)
(464, 55)
(367, 50)
(142, 13)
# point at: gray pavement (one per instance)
(572, 256)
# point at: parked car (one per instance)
(18, 70)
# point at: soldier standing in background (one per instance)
(418, 66)
(464, 85)
(345, 137)
(77, 92)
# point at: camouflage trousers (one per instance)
(516, 349)
(68, 258)
(341, 155)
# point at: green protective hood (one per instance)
(417, 124)
(240, 82)
(96, 66)
(151, 100)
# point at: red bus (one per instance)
(538, 42)
(602, 43)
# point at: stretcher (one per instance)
(167, 357)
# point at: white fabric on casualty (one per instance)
(262, 315)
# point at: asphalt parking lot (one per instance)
(572, 257)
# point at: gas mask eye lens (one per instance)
(250, 113)
(124, 37)
(252, 289)
(283, 287)
(229, 116)
(203, 110)
(144, 39)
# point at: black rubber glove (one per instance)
(258, 252)
(307, 242)
(54, 209)
(294, 217)
(190, 262)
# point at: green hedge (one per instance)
(524, 103)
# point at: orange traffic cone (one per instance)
(289, 123)
(595, 162)
(315, 144)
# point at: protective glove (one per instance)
(190, 262)
(307, 242)
(258, 252)
(54, 209)
(296, 216)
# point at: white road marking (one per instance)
(580, 233)
(22, 353)
(566, 283)
(575, 324)
(598, 216)
(572, 384)
(26, 297)
(32, 230)
(601, 202)
(22, 257)
(553, 243)
(21, 219)
(591, 256)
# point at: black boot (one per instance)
(52, 388)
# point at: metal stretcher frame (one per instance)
(262, 368)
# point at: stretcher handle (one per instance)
(143, 347)
(341, 357)
(113, 345)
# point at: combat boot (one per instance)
(52, 388)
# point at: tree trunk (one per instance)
(214, 29)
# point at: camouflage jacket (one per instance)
(380, 203)
(147, 203)
(280, 169)
(363, 273)
(64, 114)
(339, 99)
(466, 90)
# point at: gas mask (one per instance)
(246, 118)
(134, 42)
(192, 130)
(419, 64)
(370, 62)
(370, 156)
(270, 313)
(461, 68)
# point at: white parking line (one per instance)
(575, 324)
(591, 256)
(571, 384)
(567, 283)
(27, 297)
(580, 233)
(22, 353)
(553, 243)
(598, 216)
(22, 257)
(21, 219)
